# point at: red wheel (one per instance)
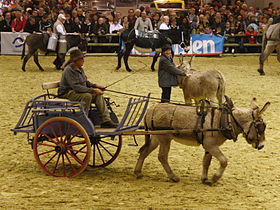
(62, 147)
(105, 150)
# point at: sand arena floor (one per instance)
(251, 180)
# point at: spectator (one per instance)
(110, 19)
(165, 23)
(131, 18)
(148, 11)
(194, 24)
(192, 15)
(76, 26)
(115, 27)
(173, 24)
(17, 24)
(80, 15)
(5, 24)
(155, 21)
(208, 30)
(45, 24)
(31, 26)
(125, 23)
(143, 23)
(86, 27)
(74, 14)
(251, 33)
(200, 29)
(94, 19)
(119, 17)
(68, 23)
(253, 23)
(218, 23)
(239, 28)
(100, 28)
(137, 13)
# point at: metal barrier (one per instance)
(109, 44)
(239, 42)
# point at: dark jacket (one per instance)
(276, 19)
(31, 28)
(167, 72)
(74, 80)
(4, 26)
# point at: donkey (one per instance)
(201, 84)
(271, 41)
(247, 121)
(37, 42)
(145, 42)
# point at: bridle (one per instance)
(258, 124)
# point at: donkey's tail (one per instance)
(23, 51)
(147, 138)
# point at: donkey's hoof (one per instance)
(206, 182)
(215, 179)
(118, 67)
(261, 72)
(129, 70)
(174, 179)
(138, 175)
(42, 70)
(23, 70)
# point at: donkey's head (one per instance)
(254, 130)
(185, 65)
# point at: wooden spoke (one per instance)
(70, 154)
(105, 151)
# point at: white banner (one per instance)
(11, 43)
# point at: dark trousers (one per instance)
(165, 95)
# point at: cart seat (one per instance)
(52, 85)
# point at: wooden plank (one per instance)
(104, 44)
(231, 45)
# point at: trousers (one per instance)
(165, 95)
(88, 99)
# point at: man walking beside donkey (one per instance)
(167, 73)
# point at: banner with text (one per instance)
(11, 43)
(200, 44)
(205, 44)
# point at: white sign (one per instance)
(12, 43)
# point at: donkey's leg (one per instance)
(268, 50)
(26, 58)
(216, 152)
(206, 163)
(154, 61)
(126, 55)
(36, 60)
(164, 142)
(120, 55)
(143, 154)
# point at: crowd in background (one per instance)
(236, 17)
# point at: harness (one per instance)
(229, 126)
(201, 113)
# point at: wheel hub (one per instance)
(60, 148)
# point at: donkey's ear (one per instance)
(267, 104)
(181, 58)
(192, 59)
(254, 104)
